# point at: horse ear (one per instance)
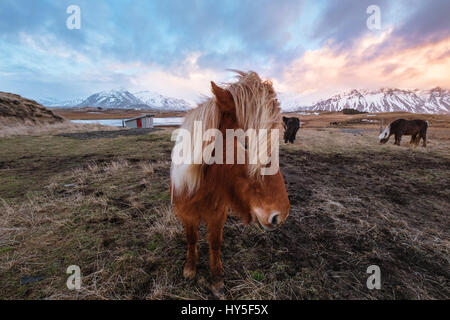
(224, 99)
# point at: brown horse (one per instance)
(417, 129)
(204, 193)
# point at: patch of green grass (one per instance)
(11, 185)
(153, 245)
(257, 275)
(6, 250)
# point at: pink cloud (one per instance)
(373, 61)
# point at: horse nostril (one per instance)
(274, 220)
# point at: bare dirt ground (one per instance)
(362, 206)
(103, 204)
(108, 134)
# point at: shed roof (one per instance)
(140, 117)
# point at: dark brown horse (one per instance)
(204, 193)
(417, 129)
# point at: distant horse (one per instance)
(415, 128)
(204, 193)
(291, 126)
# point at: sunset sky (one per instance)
(310, 48)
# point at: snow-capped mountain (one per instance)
(436, 100)
(152, 100)
(158, 101)
(122, 99)
(115, 99)
(389, 100)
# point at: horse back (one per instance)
(408, 127)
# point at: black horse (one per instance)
(291, 126)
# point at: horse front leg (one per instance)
(192, 254)
(413, 140)
(215, 230)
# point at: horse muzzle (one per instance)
(270, 223)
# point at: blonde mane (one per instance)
(256, 108)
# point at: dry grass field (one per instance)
(94, 113)
(102, 202)
(15, 129)
(325, 118)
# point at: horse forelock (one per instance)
(256, 102)
(256, 108)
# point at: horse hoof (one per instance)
(217, 290)
(189, 273)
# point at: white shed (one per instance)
(145, 121)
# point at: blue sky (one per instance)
(177, 47)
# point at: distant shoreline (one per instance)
(97, 114)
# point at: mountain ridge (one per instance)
(435, 100)
(122, 99)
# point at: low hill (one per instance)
(15, 109)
